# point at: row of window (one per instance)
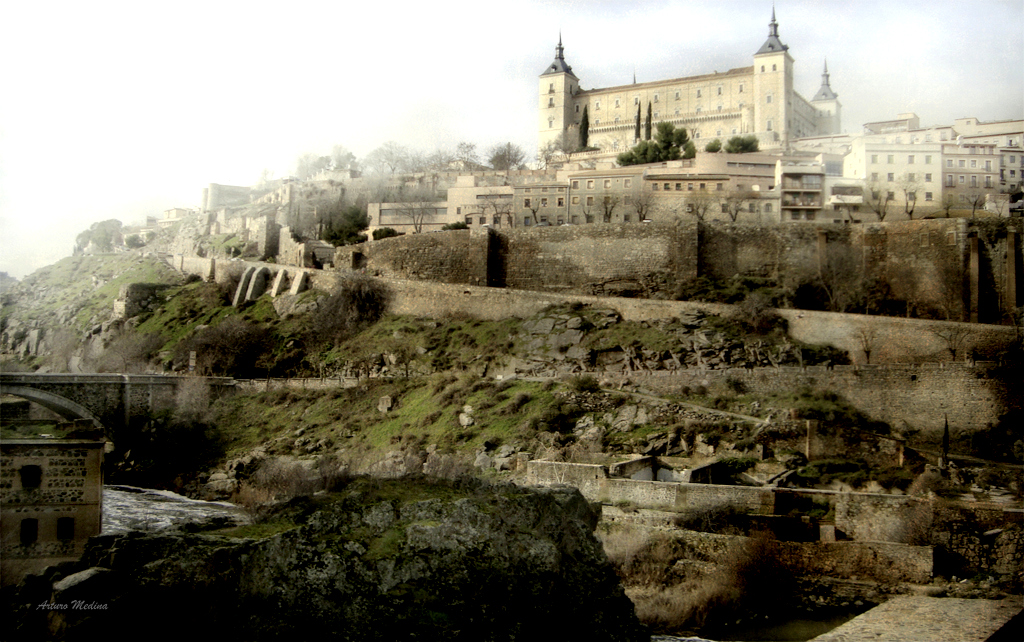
(962, 163)
(30, 530)
(626, 182)
(890, 177)
(891, 158)
(962, 180)
(911, 196)
(636, 99)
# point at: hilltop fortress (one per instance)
(758, 100)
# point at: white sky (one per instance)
(117, 109)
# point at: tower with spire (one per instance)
(826, 104)
(773, 86)
(557, 87)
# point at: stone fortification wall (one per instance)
(630, 259)
(771, 251)
(216, 196)
(926, 263)
(454, 256)
(905, 396)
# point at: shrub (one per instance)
(359, 301)
(458, 225)
(384, 233)
(585, 383)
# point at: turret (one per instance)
(826, 102)
(773, 86)
(557, 87)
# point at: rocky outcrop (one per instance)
(382, 560)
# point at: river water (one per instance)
(126, 508)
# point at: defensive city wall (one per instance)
(962, 269)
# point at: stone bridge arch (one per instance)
(61, 405)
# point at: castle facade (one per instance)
(758, 100)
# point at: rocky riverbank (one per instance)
(379, 560)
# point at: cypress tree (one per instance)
(647, 125)
(584, 129)
(636, 134)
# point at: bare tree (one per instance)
(390, 157)
(608, 205)
(309, 164)
(976, 200)
(641, 201)
(62, 345)
(128, 351)
(561, 146)
(735, 202)
(948, 204)
(866, 337)
(840, 276)
(955, 336)
(878, 199)
(501, 208)
(698, 202)
(466, 154)
(909, 185)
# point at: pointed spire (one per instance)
(772, 44)
(825, 92)
(559, 65)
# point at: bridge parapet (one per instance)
(109, 401)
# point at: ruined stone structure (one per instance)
(51, 493)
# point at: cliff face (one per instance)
(380, 561)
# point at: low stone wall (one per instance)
(879, 561)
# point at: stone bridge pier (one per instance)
(110, 401)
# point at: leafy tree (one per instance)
(134, 241)
(584, 129)
(310, 164)
(342, 159)
(507, 156)
(346, 225)
(741, 144)
(668, 144)
(714, 146)
(647, 123)
(689, 150)
(102, 237)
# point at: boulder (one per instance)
(383, 560)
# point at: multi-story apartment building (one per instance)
(758, 99)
